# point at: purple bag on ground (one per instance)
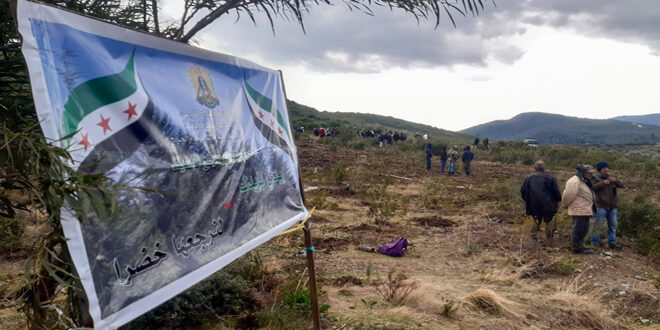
(396, 248)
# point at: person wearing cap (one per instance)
(542, 198)
(453, 157)
(578, 198)
(606, 200)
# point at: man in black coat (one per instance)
(542, 198)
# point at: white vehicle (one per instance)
(531, 142)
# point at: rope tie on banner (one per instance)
(300, 225)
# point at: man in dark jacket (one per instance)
(443, 159)
(542, 198)
(606, 200)
(476, 141)
(429, 154)
(467, 158)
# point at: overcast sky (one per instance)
(589, 58)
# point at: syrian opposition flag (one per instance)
(103, 119)
(268, 119)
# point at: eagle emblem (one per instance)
(204, 91)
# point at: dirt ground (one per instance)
(472, 245)
(471, 263)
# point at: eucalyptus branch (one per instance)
(208, 19)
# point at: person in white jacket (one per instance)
(578, 197)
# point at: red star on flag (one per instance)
(105, 123)
(280, 130)
(85, 141)
(272, 123)
(261, 115)
(131, 110)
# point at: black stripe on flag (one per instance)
(268, 132)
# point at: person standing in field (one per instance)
(542, 199)
(605, 188)
(467, 158)
(443, 159)
(429, 154)
(578, 198)
(453, 157)
(476, 141)
(485, 143)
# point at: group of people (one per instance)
(384, 138)
(450, 156)
(484, 142)
(388, 138)
(589, 194)
(323, 132)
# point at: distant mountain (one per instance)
(308, 117)
(557, 129)
(651, 119)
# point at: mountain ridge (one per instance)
(649, 119)
(550, 128)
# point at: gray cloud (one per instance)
(630, 21)
(338, 40)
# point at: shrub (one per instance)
(567, 265)
(11, 232)
(339, 173)
(395, 290)
(300, 299)
(221, 294)
(382, 204)
(640, 218)
(506, 191)
(433, 193)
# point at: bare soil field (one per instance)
(471, 263)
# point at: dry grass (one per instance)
(435, 298)
(577, 306)
(492, 303)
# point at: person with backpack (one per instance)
(578, 198)
(429, 154)
(467, 158)
(443, 159)
(453, 157)
(542, 198)
(606, 200)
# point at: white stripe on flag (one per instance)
(268, 119)
(106, 121)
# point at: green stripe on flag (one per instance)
(95, 93)
(261, 100)
(266, 104)
(280, 120)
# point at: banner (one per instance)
(209, 133)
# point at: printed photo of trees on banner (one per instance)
(203, 140)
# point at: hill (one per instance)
(557, 129)
(650, 119)
(309, 117)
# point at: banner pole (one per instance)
(312, 275)
(309, 248)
